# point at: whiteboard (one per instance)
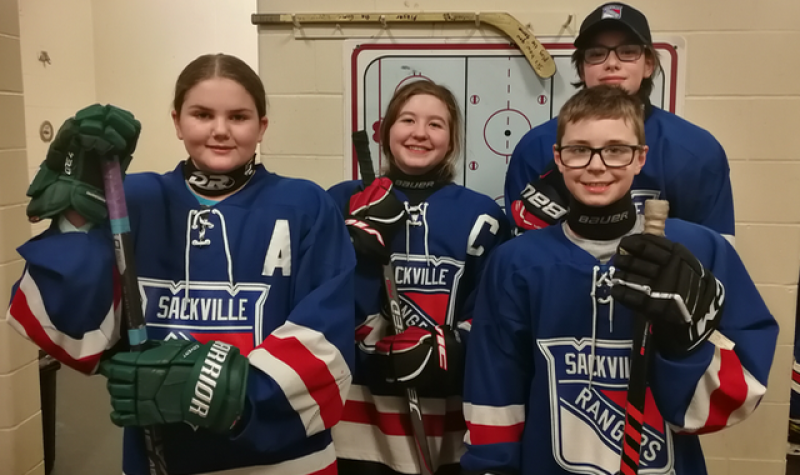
(499, 95)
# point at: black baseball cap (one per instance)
(610, 16)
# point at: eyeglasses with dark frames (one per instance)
(598, 54)
(612, 156)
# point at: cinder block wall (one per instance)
(20, 416)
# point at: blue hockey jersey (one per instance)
(549, 357)
(438, 258)
(268, 269)
(685, 166)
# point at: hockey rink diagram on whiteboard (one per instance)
(499, 95)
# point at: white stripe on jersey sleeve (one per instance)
(291, 369)
(737, 395)
(34, 319)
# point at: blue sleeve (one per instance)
(529, 158)
(64, 301)
(703, 192)
(498, 371)
(301, 373)
(718, 386)
(494, 232)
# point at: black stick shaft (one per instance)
(131, 299)
(655, 214)
(363, 155)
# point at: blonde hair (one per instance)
(401, 96)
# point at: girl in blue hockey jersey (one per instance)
(548, 363)
(436, 236)
(246, 279)
(685, 164)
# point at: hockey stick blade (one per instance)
(536, 54)
(364, 158)
(655, 215)
(131, 298)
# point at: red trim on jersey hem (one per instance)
(331, 469)
(392, 423)
(314, 373)
(480, 434)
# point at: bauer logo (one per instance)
(427, 288)
(229, 313)
(592, 409)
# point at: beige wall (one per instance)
(742, 69)
(109, 51)
(20, 418)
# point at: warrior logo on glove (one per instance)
(665, 282)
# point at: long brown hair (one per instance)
(401, 96)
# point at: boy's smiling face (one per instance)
(597, 185)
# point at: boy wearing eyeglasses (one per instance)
(686, 165)
(548, 362)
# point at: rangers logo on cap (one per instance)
(612, 11)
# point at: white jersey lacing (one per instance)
(198, 220)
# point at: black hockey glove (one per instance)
(375, 215)
(664, 282)
(70, 176)
(543, 202)
(432, 361)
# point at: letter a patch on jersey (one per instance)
(588, 415)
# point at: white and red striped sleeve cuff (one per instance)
(725, 395)
(310, 370)
(28, 315)
(494, 424)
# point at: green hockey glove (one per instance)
(70, 176)
(178, 381)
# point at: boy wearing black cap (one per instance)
(549, 356)
(686, 165)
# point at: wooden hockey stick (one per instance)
(655, 215)
(361, 145)
(131, 298)
(538, 57)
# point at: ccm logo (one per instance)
(442, 350)
(541, 201)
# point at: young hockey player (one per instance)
(436, 235)
(246, 280)
(549, 357)
(685, 164)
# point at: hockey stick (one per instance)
(131, 299)
(538, 57)
(361, 145)
(655, 213)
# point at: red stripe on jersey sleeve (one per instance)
(731, 393)
(314, 372)
(480, 434)
(796, 377)
(22, 313)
